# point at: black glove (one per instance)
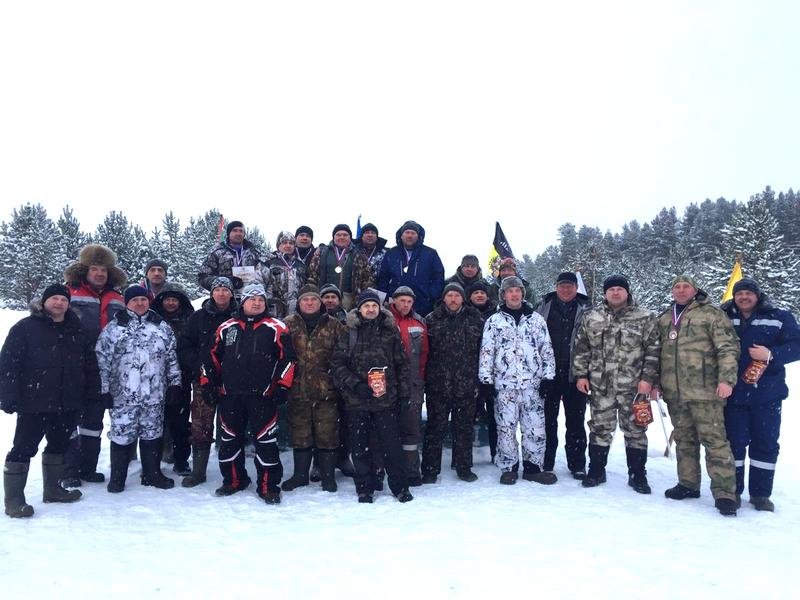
(8, 406)
(237, 282)
(174, 395)
(107, 400)
(363, 391)
(281, 395)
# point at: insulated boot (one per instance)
(508, 477)
(598, 456)
(90, 452)
(429, 478)
(302, 464)
(167, 453)
(200, 455)
(270, 497)
(150, 451)
(466, 475)
(726, 507)
(365, 498)
(412, 466)
(228, 489)
(344, 464)
(637, 474)
(314, 475)
(404, 495)
(15, 475)
(762, 503)
(377, 480)
(681, 492)
(580, 474)
(327, 469)
(532, 472)
(52, 472)
(119, 467)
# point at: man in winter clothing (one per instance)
(478, 297)
(563, 310)
(332, 301)
(616, 357)
(753, 412)
(454, 334)
(48, 370)
(136, 355)
(341, 264)
(372, 247)
(515, 357)
(414, 335)
(370, 370)
(313, 408)
(252, 364)
(173, 305)
(699, 358)
(413, 264)
(304, 244)
(194, 346)
(288, 273)
(93, 283)
(507, 268)
(155, 277)
(468, 272)
(237, 259)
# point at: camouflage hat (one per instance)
(221, 282)
(284, 236)
(308, 289)
(685, 279)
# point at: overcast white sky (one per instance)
(455, 114)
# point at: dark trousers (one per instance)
(440, 407)
(84, 444)
(491, 422)
(203, 413)
(362, 425)
(236, 412)
(562, 390)
(31, 428)
(176, 420)
(756, 427)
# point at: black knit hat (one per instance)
(156, 262)
(479, 285)
(567, 277)
(369, 227)
(470, 259)
(342, 227)
(616, 281)
(330, 288)
(233, 224)
(304, 229)
(367, 295)
(55, 289)
(747, 284)
(453, 287)
(134, 291)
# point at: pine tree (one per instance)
(72, 238)
(30, 255)
(127, 241)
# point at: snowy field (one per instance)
(479, 540)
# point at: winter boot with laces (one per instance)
(681, 492)
(15, 475)
(52, 472)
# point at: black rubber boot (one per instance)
(119, 467)
(200, 454)
(15, 475)
(150, 451)
(412, 466)
(598, 457)
(52, 472)
(302, 464)
(344, 464)
(314, 475)
(167, 453)
(762, 503)
(637, 474)
(90, 453)
(327, 469)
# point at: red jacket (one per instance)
(95, 310)
(414, 334)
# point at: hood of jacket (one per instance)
(403, 227)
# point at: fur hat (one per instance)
(507, 263)
(512, 281)
(95, 254)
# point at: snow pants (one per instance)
(440, 407)
(702, 422)
(605, 410)
(176, 421)
(203, 412)
(135, 418)
(524, 408)
(235, 413)
(31, 428)
(754, 429)
(562, 390)
(314, 424)
(362, 424)
(83, 450)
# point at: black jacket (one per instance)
(197, 335)
(48, 367)
(454, 340)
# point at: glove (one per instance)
(363, 391)
(107, 400)
(281, 395)
(8, 406)
(174, 395)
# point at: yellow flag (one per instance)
(736, 275)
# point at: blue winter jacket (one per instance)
(775, 329)
(423, 272)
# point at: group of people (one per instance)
(355, 338)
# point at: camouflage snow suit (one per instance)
(288, 276)
(515, 357)
(353, 278)
(138, 361)
(313, 410)
(224, 258)
(615, 350)
(704, 354)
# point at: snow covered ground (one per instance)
(479, 540)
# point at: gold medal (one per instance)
(338, 269)
(673, 335)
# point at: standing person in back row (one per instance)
(341, 264)
(699, 360)
(563, 310)
(770, 336)
(413, 264)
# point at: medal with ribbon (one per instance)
(676, 322)
(340, 258)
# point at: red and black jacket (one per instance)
(251, 355)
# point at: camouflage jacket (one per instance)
(454, 342)
(222, 259)
(312, 382)
(361, 277)
(704, 353)
(368, 344)
(616, 350)
(287, 277)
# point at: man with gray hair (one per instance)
(515, 356)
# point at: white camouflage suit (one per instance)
(138, 361)
(515, 358)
